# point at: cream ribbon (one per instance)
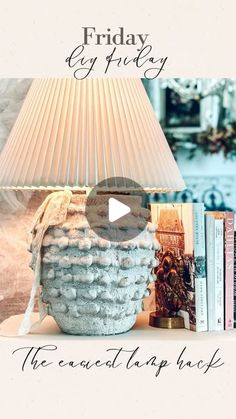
(53, 211)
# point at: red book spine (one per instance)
(229, 270)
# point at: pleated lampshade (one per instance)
(72, 133)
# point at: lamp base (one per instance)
(94, 286)
(93, 325)
(155, 320)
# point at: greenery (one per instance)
(212, 141)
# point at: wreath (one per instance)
(211, 141)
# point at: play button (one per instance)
(115, 209)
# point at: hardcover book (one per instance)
(181, 271)
(228, 219)
(215, 270)
(234, 279)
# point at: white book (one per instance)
(215, 271)
(200, 264)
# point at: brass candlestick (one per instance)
(155, 320)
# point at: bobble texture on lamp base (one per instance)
(94, 286)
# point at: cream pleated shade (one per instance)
(72, 133)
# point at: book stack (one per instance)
(197, 268)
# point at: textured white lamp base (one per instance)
(92, 325)
(94, 286)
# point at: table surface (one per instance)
(141, 331)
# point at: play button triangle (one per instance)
(116, 209)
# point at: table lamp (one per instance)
(69, 136)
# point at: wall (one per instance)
(206, 165)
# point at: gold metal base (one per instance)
(165, 322)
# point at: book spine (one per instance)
(235, 279)
(200, 267)
(219, 274)
(229, 270)
(215, 272)
(210, 257)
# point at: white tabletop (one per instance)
(141, 331)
